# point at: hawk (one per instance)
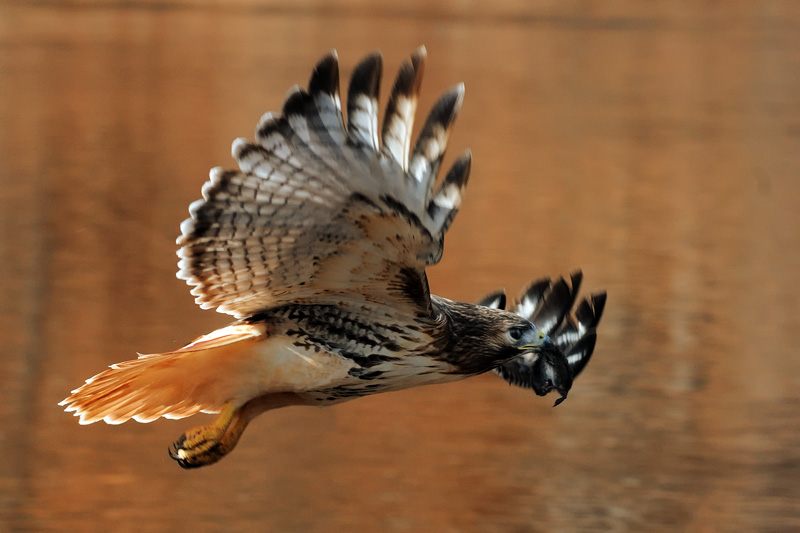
(317, 246)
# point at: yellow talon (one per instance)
(204, 445)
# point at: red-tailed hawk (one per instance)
(318, 246)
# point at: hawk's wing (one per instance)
(321, 211)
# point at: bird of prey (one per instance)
(317, 246)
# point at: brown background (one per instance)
(654, 144)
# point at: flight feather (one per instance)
(319, 210)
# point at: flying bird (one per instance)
(317, 246)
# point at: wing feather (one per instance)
(547, 304)
(319, 211)
(400, 110)
(445, 203)
(362, 102)
(429, 149)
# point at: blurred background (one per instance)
(655, 145)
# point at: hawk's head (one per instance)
(483, 338)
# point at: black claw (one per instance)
(186, 465)
(176, 447)
(173, 454)
(182, 461)
(207, 457)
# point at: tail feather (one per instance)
(173, 385)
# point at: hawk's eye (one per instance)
(516, 333)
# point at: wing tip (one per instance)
(366, 76)
(419, 56)
(325, 76)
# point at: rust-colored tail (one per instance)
(201, 376)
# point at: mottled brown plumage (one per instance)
(318, 245)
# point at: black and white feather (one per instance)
(308, 214)
(548, 305)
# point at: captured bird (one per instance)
(317, 246)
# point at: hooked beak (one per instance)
(543, 368)
(533, 339)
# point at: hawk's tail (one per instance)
(173, 385)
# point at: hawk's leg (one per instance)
(205, 445)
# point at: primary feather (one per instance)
(313, 200)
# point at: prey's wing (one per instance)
(324, 210)
(548, 305)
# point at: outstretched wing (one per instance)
(320, 210)
(548, 305)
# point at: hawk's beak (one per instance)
(534, 339)
(543, 368)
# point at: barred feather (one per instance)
(400, 110)
(446, 202)
(314, 197)
(432, 142)
(362, 102)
